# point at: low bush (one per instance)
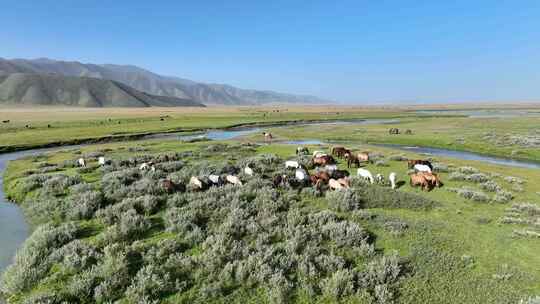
(440, 167)
(478, 178)
(470, 194)
(490, 186)
(468, 170)
(342, 201)
(457, 176)
(502, 196)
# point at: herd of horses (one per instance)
(325, 172)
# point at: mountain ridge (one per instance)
(156, 84)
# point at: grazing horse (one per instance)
(422, 168)
(248, 171)
(323, 160)
(5, 121)
(233, 180)
(102, 161)
(146, 166)
(344, 181)
(408, 132)
(340, 151)
(418, 179)
(197, 183)
(335, 185)
(379, 178)
(365, 174)
(393, 131)
(216, 180)
(432, 179)
(351, 160)
(337, 174)
(267, 136)
(392, 179)
(292, 164)
(412, 162)
(318, 153)
(301, 175)
(170, 187)
(81, 162)
(280, 180)
(302, 151)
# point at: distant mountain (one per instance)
(155, 84)
(50, 89)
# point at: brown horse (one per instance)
(323, 160)
(170, 187)
(357, 158)
(418, 179)
(340, 151)
(433, 179)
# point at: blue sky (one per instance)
(352, 51)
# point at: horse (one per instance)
(170, 187)
(302, 151)
(102, 161)
(301, 175)
(422, 168)
(248, 171)
(432, 179)
(323, 160)
(216, 180)
(5, 121)
(351, 160)
(379, 178)
(344, 182)
(418, 179)
(408, 132)
(337, 174)
(81, 162)
(318, 153)
(267, 136)
(393, 131)
(292, 164)
(412, 162)
(233, 180)
(392, 179)
(335, 185)
(365, 174)
(197, 183)
(340, 151)
(280, 180)
(146, 166)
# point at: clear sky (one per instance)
(353, 51)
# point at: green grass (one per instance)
(436, 242)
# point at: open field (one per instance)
(449, 248)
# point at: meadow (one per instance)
(113, 233)
(116, 233)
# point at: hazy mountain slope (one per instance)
(152, 83)
(48, 89)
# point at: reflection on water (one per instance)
(466, 156)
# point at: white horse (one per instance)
(330, 168)
(233, 180)
(392, 177)
(292, 164)
(81, 162)
(101, 161)
(365, 174)
(196, 182)
(248, 171)
(215, 179)
(422, 168)
(301, 175)
(318, 153)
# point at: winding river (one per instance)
(14, 230)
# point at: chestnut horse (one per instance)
(340, 151)
(323, 160)
(418, 179)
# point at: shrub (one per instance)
(457, 176)
(32, 261)
(59, 183)
(503, 196)
(478, 178)
(473, 195)
(344, 200)
(468, 170)
(440, 167)
(490, 186)
(397, 158)
(76, 256)
(84, 205)
(373, 196)
(149, 284)
(514, 180)
(340, 284)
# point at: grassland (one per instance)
(458, 251)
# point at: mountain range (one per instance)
(46, 81)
